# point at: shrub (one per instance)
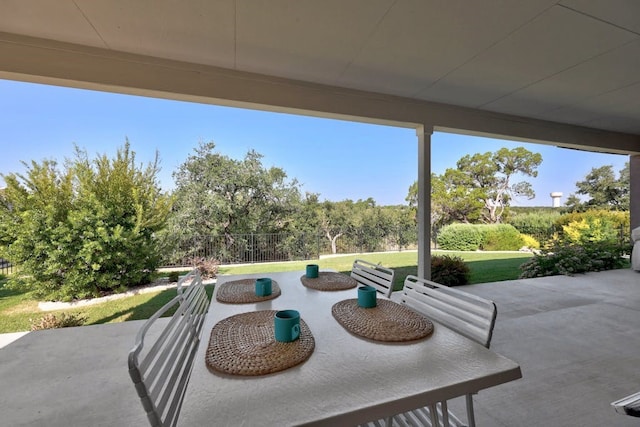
(540, 224)
(530, 241)
(208, 267)
(449, 270)
(501, 237)
(594, 226)
(571, 259)
(64, 320)
(470, 237)
(86, 230)
(460, 237)
(174, 276)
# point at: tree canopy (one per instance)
(216, 194)
(603, 189)
(481, 187)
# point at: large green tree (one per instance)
(603, 189)
(85, 229)
(218, 195)
(481, 187)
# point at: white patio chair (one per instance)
(629, 405)
(161, 374)
(366, 273)
(467, 314)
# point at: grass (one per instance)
(484, 267)
(17, 308)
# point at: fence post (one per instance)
(252, 246)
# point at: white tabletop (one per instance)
(347, 380)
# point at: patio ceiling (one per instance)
(573, 62)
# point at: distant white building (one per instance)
(555, 199)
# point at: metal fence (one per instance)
(241, 248)
(5, 267)
(254, 248)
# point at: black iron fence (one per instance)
(241, 248)
(254, 248)
(5, 267)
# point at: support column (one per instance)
(634, 190)
(424, 201)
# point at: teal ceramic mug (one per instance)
(367, 296)
(263, 287)
(287, 325)
(312, 271)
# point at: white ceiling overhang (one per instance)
(556, 71)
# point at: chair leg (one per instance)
(434, 414)
(471, 419)
(445, 414)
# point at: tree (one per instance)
(604, 190)
(491, 173)
(84, 230)
(481, 187)
(219, 195)
(336, 220)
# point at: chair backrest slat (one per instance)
(366, 273)
(162, 374)
(467, 314)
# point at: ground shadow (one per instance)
(147, 309)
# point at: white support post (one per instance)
(424, 201)
(634, 190)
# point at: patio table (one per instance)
(347, 380)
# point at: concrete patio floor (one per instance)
(576, 339)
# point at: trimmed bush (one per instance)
(472, 237)
(540, 224)
(501, 237)
(460, 237)
(449, 270)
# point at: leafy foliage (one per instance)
(530, 241)
(481, 186)
(63, 320)
(540, 224)
(85, 230)
(218, 195)
(449, 270)
(460, 237)
(604, 190)
(471, 237)
(501, 237)
(572, 259)
(594, 226)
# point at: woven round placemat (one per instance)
(245, 344)
(329, 281)
(244, 291)
(388, 321)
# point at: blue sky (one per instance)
(337, 159)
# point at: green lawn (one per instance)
(16, 308)
(484, 267)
